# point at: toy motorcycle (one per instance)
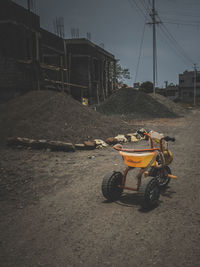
(154, 172)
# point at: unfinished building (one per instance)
(19, 35)
(91, 66)
(32, 58)
(187, 82)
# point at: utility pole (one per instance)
(154, 22)
(29, 5)
(195, 83)
(154, 46)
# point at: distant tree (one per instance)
(147, 87)
(122, 74)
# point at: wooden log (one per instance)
(41, 144)
(80, 146)
(90, 145)
(111, 141)
(61, 146)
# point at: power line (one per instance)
(174, 41)
(169, 44)
(146, 7)
(182, 24)
(185, 21)
(180, 15)
(137, 7)
(140, 52)
(176, 50)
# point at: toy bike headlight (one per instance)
(168, 157)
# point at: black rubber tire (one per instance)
(110, 189)
(163, 181)
(149, 192)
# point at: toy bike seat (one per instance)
(138, 160)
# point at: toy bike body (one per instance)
(153, 175)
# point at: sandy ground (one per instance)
(53, 212)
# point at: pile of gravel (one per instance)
(134, 103)
(176, 108)
(55, 116)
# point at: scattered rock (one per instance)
(90, 145)
(121, 138)
(111, 141)
(100, 143)
(132, 137)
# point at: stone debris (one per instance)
(90, 145)
(132, 137)
(111, 141)
(100, 143)
(121, 138)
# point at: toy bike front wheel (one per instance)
(149, 192)
(161, 176)
(110, 186)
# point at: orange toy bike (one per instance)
(154, 171)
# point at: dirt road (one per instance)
(53, 212)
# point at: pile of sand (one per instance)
(174, 107)
(137, 104)
(55, 116)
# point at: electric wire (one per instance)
(185, 21)
(182, 24)
(134, 2)
(174, 41)
(172, 46)
(146, 7)
(140, 52)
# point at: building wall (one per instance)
(18, 50)
(14, 13)
(32, 58)
(186, 85)
(91, 66)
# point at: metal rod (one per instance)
(154, 45)
(29, 5)
(195, 83)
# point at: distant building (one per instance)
(171, 91)
(186, 85)
(136, 86)
(32, 58)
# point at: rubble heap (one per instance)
(136, 104)
(54, 116)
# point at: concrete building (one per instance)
(19, 35)
(32, 58)
(186, 85)
(92, 67)
(171, 91)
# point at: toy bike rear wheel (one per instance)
(149, 192)
(110, 186)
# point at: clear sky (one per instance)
(119, 24)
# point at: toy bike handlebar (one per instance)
(119, 147)
(167, 139)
